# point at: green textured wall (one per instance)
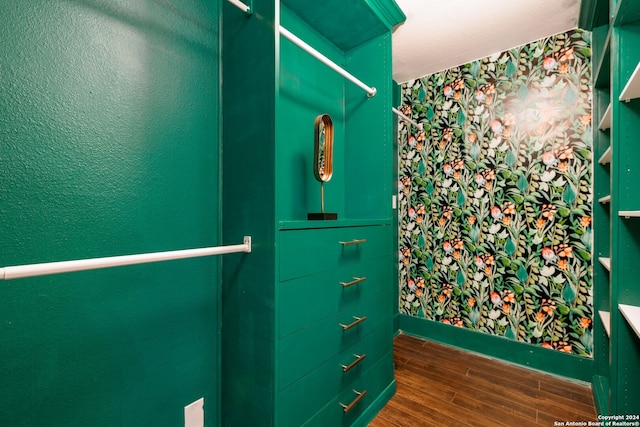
(109, 142)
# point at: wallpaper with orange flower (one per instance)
(495, 195)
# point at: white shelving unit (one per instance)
(632, 315)
(606, 262)
(605, 122)
(605, 316)
(632, 88)
(629, 214)
(616, 95)
(605, 159)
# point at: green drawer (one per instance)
(374, 382)
(301, 352)
(302, 399)
(306, 300)
(304, 252)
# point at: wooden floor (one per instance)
(442, 386)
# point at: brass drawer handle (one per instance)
(353, 242)
(354, 282)
(356, 323)
(359, 358)
(347, 408)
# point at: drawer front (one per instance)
(304, 252)
(374, 381)
(304, 398)
(307, 300)
(301, 352)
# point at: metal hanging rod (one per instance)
(33, 270)
(245, 8)
(407, 119)
(371, 91)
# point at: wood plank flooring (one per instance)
(442, 386)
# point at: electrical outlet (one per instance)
(194, 414)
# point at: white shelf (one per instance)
(632, 314)
(605, 123)
(606, 262)
(632, 88)
(605, 316)
(606, 157)
(629, 214)
(605, 199)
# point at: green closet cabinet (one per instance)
(307, 319)
(616, 81)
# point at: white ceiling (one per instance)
(439, 34)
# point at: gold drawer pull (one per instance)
(354, 282)
(359, 358)
(353, 242)
(356, 323)
(347, 408)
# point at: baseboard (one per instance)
(396, 323)
(549, 361)
(370, 413)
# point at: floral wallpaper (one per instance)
(495, 195)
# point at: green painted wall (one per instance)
(109, 145)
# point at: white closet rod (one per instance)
(241, 6)
(407, 119)
(32, 270)
(371, 91)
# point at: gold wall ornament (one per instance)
(323, 160)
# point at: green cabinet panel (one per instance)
(313, 391)
(282, 305)
(616, 44)
(248, 190)
(303, 351)
(325, 249)
(374, 381)
(374, 147)
(324, 295)
(357, 23)
(601, 211)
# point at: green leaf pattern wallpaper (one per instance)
(495, 195)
